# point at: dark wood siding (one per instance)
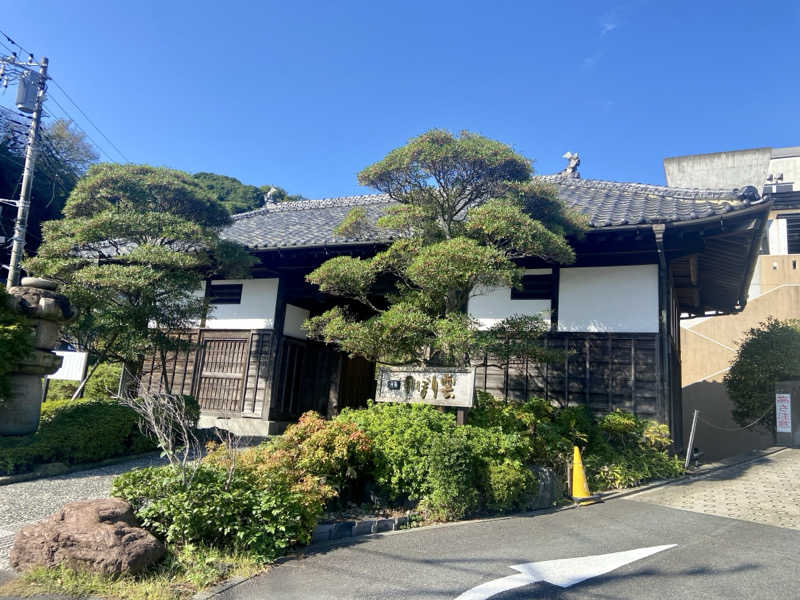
(604, 371)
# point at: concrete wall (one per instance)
(720, 170)
(609, 299)
(256, 311)
(735, 169)
(491, 305)
(709, 346)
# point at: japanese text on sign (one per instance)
(438, 386)
(783, 413)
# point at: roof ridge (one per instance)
(296, 205)
(732, 193)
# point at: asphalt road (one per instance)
(714, 557)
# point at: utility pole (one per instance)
(23, 206)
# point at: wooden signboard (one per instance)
(440, 386)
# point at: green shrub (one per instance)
(619, 449)
(421, 455)
(403, 436)
(75, 432)
(102, 385)
(511, 486)
(768, 354)
(104, 382)
(453, 477)
(258, 514)
(60, 389)
(336, 451)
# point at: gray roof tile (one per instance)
(308, 223)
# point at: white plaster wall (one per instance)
(621, 299)
(492, 305)
(256, 311)
(293, 323)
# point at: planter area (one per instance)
(368, 471)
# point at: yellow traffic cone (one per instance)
(580, 489)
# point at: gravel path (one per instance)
(28, 501)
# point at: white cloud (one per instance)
(607, 27)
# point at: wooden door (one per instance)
(220, 384)
(357, 384)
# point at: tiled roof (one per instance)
(614, 204)
(307, 223)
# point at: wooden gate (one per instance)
(223, 365)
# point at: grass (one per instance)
(180, 574)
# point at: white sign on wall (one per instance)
(73, 367)
(783, 413)
(440, 386)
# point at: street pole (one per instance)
(23, 206)
(690, 447)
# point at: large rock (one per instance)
(95, 535)
(549, 490)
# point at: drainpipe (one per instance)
(670, 411)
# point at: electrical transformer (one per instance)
(27, 90)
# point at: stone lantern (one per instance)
(47, 310)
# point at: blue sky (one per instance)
(305, 94)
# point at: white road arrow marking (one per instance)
(564, 572)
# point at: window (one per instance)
(534, 287)
(793, 233)
(224, 293)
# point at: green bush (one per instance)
(104, 382)
(453, 477)
(511, 486)
(768, 354)
(60, 389)
(102, 385)
(403, 436)
(75, 432)
(336, 451)
(253, 512)
(422, 456)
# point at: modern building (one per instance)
(709, 345)
(651, 254)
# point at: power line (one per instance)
(75, 104)
(63, 91)
(13, 43)
(68, 116)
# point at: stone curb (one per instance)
(55, 469)
(345, 529)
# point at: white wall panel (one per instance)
(293, 323)
(492, 305)
(621, 299)
(256, 311)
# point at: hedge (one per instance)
(72, 433)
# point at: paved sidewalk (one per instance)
(765, 491)
(29, 501)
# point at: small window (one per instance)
(534, 287)
(793, 233)
(225, 293)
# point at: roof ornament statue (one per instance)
(271, 197)
(573, 160)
